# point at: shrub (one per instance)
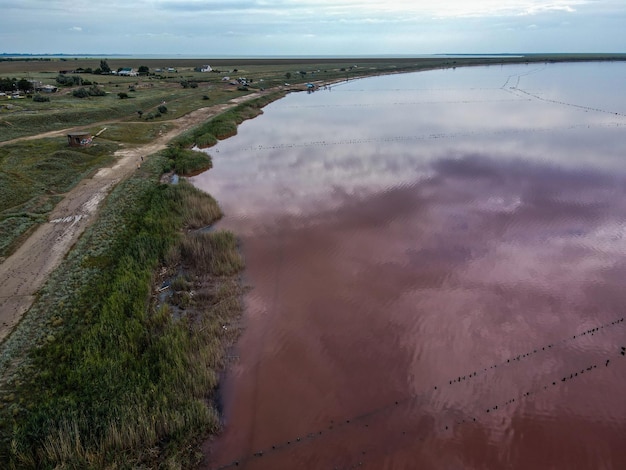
(65, 80)
(80, 93)
(122, 95)
(86, 93)
(162, 109)
(206, 140)
(94, 90)
(188, 162)
(40, 99)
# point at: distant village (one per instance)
(22, 88)
(16, 89)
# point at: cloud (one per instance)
(219, 6)
(340, 26)
(349, 8)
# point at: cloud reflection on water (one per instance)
(403, 246)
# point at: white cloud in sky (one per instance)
(266, 27)
(440, 8)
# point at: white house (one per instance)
(206, 68)
(127, 72)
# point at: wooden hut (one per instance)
(79, 140)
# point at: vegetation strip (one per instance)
(115, 376)
(114, 364)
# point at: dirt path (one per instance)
(24, 272)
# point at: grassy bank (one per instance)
(224, 125)
(116, 362)
(114, 375)
(33, 177)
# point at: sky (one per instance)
(215, 28)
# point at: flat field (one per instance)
(177, 84)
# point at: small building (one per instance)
(46, 89)
(127, 72)
(206, 68)
(79, 140)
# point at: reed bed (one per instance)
(101, 373)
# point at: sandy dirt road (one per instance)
(24, 272)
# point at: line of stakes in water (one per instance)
(335, 425)
(493, 409)
(425, 137)
(548, 347)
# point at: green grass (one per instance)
(187, 162)
(26, 117)
(33, 175)
(131, 132)
(225, 124)
(113, 377)
(214, 252)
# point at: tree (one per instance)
(143, 70)
(288, 75)
(7, 84)
(105, 67)
(65, 80)
(24, 85)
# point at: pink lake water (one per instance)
(437, 265)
